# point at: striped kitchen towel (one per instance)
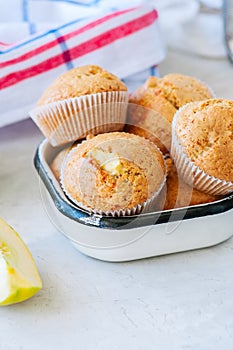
(51, 36)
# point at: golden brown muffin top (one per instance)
(180, 89)
(151, 96)
(150, 125)
(179, 194)
(165, 95)
(81, 81)
(113, 171)
(205, 132)
(150, 115)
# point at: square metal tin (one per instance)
(132, 237)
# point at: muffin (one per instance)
(159, 100)
(56, 164)
(114, 174)
(179, 194)
(202, 145)
(83, 100)
(151, 95)
(180, 89)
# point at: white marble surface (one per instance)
(181, 301)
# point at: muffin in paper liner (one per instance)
(181, 89)
(155, 202)
(145, 207)
(73, 119)
(179, 193)
(153, 105)
(191, 173)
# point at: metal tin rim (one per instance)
(127, 222)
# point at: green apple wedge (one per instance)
(19, 277)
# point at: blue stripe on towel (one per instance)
(65, 50)
(79, 3)
(32, 27)
(25, 10)
(153, 71)
(52, 31)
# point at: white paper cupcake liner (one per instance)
(146, 206)
(191, 173)
(74, 118)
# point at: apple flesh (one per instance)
(19, 277)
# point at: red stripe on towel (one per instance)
(67, 36)
(82, 49)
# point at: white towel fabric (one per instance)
(41, 39)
